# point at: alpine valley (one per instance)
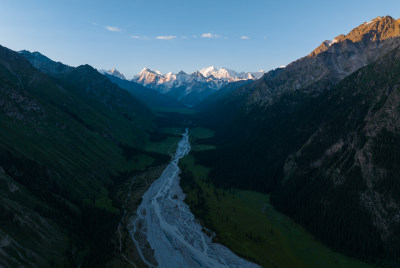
(295, 167)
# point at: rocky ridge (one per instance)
(328, 64)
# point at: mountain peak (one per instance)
(378, 29)
(113, 72)
(116, 73)
(42, 62)
(207, 71)
(148, 70)
(211, 68)
(145, 69)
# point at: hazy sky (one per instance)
(180, 35)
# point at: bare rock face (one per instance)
(329, 63)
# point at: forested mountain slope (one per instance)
(322, 137)
(343, 184)
(66, 137)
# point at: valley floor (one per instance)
(129, 195)
(248, 224)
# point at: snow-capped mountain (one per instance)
(230, 75)
(113, 72)
(188, 88)
(191, 88)
(212, 77)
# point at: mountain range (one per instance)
(215, 78)
(189, 89)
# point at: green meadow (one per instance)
(168, 144)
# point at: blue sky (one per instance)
(180, 35)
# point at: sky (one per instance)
(175, 35)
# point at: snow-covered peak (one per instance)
(212, 76)
(229, 75)
(113, 72)
(144, 70)
(116, 73)
(148, 76)
(207, 71)
(147, 70)
(221, 73)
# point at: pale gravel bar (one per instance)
(165, 222)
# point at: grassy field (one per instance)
(168, 145)
(200, 133)
(197, 134)
(248, 224)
